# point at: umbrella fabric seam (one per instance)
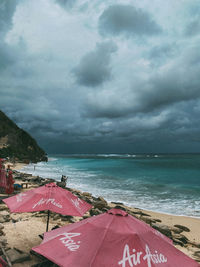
(102, 241)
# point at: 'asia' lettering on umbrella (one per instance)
(135, 258)
(69, 242)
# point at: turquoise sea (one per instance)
(164, 183)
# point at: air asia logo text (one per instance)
(69, 242)
(136, 258)
(47, 201)
(77, 202)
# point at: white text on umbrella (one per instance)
(69, 242)
(46, 201)
(77, 202)
(20, 196)
(135, 258)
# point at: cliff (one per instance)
(18, 144)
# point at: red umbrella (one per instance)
(109, 240)
(48, 197)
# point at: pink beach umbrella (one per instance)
(48, 197)
(109, 240)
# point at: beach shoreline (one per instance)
(33, 224)
(20, 166)
(146, 183)
(15, 166)
(166, 217)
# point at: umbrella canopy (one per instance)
(48, 197)
(111, 239)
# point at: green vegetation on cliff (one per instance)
(18, 144)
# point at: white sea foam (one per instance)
(133, 192)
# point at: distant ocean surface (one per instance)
(163, 183)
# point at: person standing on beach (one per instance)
(3, 181)
(10, 181)
(63, 182)
(8, 169)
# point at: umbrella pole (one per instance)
(48, 221)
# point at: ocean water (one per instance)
(163, 183)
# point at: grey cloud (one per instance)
(139, 108)
(66, 3)
(6, 56)
(101, 111)
(7, 9)
(165, 126)
(193, 8)
(167, 91)
(11, 55)
(127, 19)
(94, 68)
(193, 28)
(160, 54)
(162, 51)
(180, 83)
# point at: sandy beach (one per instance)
(23, 229)
(192, 223)
(15, 166)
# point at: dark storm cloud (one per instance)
(180, 83)
(143, 132)
(127, 19)
(94, 68)
(7, 9)
(160, 54)
(193, 8)
(162, 51)
(193, 28)
(7, 56)
(169, 124)
(147, 93)
(168, 90)
(66, 3)
(110, 112)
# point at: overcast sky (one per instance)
(103, 76)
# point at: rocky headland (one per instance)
(16, 144)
